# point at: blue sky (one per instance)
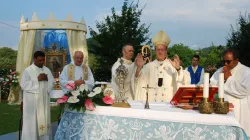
(196, 23)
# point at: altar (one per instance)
(162, 121)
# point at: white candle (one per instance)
(206, 85)
(221, 85)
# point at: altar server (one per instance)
(237, 86)
(127, 54)
(196, 71)
(37, 82)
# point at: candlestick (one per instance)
(221, 85)
(206, 85)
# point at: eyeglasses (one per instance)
(226, 61)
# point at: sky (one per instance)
(195, 23)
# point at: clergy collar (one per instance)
(128, 62)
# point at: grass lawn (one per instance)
(10, 116)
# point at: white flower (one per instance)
(109, 92)
(17, 76)
(73, 99)
(91, 94)
(75, 93)
(83, 87)
(97, 90)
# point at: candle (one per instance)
(221, 85)
(206, 85)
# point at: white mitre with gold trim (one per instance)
(161, 38)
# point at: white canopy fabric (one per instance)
(76, 35)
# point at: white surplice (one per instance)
(36, 104)
(237, 91)
(150, 74)
(63, 79)
(129, 83)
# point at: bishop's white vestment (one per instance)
(71, 72)
(36, 104)
(237, 90)
(129, 81)
(161, 77)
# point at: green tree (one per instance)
(113, 32)
(184, 52)
(239, 38)
(211, 56)
(94, 62)
(7, 57)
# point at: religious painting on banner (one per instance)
(55, 60)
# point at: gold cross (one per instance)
(42, 127)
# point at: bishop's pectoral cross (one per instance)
(147, 88)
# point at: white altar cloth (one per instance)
(161, 121)
(166, 112)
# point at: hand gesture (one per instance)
(226, 72)
(140, 61)
(176, 62)
(79, 82)
(42, 77)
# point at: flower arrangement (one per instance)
(8, 79)
(80, 98)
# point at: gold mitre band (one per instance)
(161, 38)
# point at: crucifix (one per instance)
(147, 88)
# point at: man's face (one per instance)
(195, 61)
(161, 52)
(128, 52)
(229, 61)
(39, 61)
(78, 58)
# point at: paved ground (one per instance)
(14, 135)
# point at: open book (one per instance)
(192, 95)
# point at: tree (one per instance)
(240, 39)
(115, 31)
(94, 63)
(7, 57)
(214, 57)
(184, 52)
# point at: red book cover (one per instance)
(192, 94)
